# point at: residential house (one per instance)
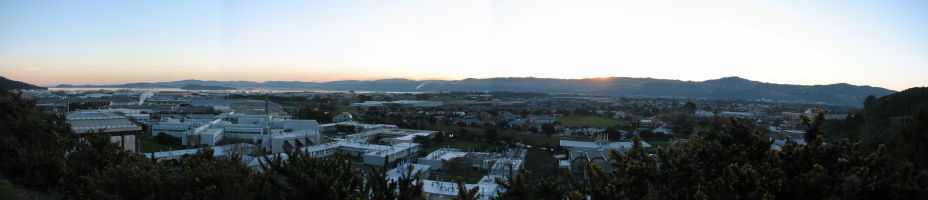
(343, 117)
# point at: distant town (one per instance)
(475, 135)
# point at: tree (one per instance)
(33, 143)
(736, 162)
(464, 193)
(528, 185)
(204, 176)
(547, 129)
(914, 143)
(424, 140)
(411, 185)
(301, 176)
(463, 134)
(379, 186)
(432, 120)
(137, 177)
(440, 137)
(90, 156)
(689, 107)
(365, 98)
(241, 150)
(318, 115)
(491, 134)
(533, 129)
(422, 96)
(869, 100)
(614, 133)
(516, 187)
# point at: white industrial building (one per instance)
(399, 103)
(407, 103)
(503, 164)
(275, 135)
(373, 154)
(120, 128)
(402, 169)
(357, 127)
(437, 159)
(218, 151)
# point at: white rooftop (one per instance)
(445, 154)
(488, 187)
(367, 147)
(400, 170)
(217, 151)
(595, 145)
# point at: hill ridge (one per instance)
(723, 88)
(8, 84)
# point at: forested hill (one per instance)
(898, 121)
(16, 85)
(724, 88)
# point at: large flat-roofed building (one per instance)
(224, 151)
(110, 123)
(409, 168)
(296, 125)
(405, 103)
(438, 158)
(121, 129)
(173, 129)
(367, 104)
(274, 135)
(356, 127)
(373, 154)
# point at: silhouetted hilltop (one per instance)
(16, 85)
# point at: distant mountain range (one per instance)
(724, 88)
(206, 87)
(16, 85)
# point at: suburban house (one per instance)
(344, 117)
(581, 154)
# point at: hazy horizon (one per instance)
(874, 43)
(162, 81)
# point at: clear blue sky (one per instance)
(865, 42)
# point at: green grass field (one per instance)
(537, 139)
(474, 144)
(534, 138)
(591, 121)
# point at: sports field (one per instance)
(591, 121)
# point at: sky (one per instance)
(860, 42)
